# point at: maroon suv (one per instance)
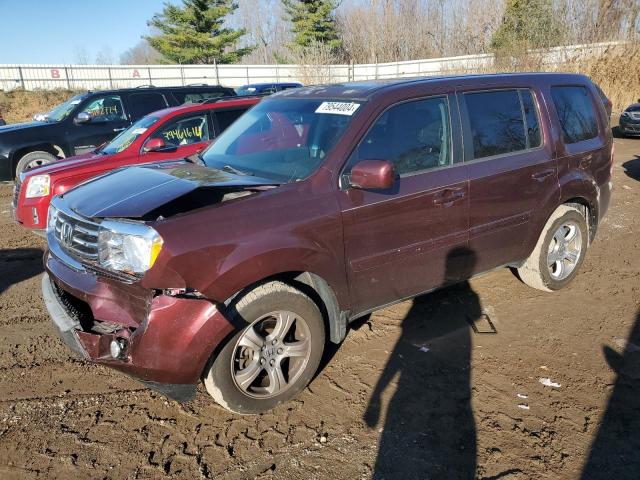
(317, 206)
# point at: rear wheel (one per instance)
(559, 252)
(274, 356)
(33, 160)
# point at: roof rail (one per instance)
(146, 86)
(207, 101)
(200, 85)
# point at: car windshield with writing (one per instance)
(284, 140)
(63, 110)
(129, 136)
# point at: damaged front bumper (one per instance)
(167, 350)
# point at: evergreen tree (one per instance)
(313, 22)
(527, 24)
(195, 32)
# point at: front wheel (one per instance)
(274, 356)
(33, 160)
(560, 251)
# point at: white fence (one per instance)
(78, 77)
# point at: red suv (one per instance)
(166, 134)
(317, 206)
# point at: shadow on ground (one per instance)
(632, 168)
(615, 453)
(428, 429)
(19, 264)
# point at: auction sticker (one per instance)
(338, 108)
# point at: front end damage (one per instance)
(162, 340)
(162, 336)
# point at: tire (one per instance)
(262, 345)
(32, 160)
(537, 271)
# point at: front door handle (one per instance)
(447, 196)
(541, 175)
(119, 129)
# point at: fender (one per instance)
(574, 184)
(243, 268)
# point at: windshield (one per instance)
(246, 90)
(63, 110)
(128, 136)
(284, 140)
(634, 108)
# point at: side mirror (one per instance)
(372, 175)
(82, 118)
(155, 145)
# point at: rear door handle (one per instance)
(543, 174)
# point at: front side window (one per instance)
(105, 109)
(414, 136)
(184, 131)
(576, 113)
(128, 136)
(284, 140)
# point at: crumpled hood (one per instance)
(134, 192)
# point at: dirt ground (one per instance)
(413, 392)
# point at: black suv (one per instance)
(87, 120)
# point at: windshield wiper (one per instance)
(235, 171)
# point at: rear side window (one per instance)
(415, 136)
(143, 103)
(186, 96)
(576, 113)
(227, 117)
(503, 121)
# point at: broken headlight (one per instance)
(127, 247)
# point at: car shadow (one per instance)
(19, 264)
(615, 453)
(428, 429)
(632, 168)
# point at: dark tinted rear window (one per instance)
(497, 122)
(531, 118)
(227, 117)
(576, 113)
(143, 103)
(196, 96)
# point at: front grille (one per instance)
(77, 236)
(635, 115)
(16, 194)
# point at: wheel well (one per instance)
(319, 291)
(583, 205)
(43, 147)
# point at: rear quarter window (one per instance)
(576, 113)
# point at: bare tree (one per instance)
(141, 54)
(266, 29)
(105, 56)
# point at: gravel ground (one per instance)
(413, 392)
